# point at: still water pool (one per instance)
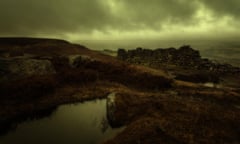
(83, 123)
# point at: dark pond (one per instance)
(83, 123)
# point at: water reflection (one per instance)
(76, 123)
(8, 126)
(212, 85)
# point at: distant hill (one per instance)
(19, 46)
(28, 41)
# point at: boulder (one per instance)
(122, 54)
(18, 67)
(111, 108)
(76, 61)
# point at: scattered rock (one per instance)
(185, 58)
(18, 67)
(76, 61)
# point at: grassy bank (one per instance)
(190, 115)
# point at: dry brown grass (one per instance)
(28, 88)
(179, 117)
(111, 71)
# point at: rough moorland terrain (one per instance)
(39, 74)
(184, 63)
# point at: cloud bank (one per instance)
(121, 19)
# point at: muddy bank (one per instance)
(14, 111)
(70, 123)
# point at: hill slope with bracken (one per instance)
(154, 107)
(41, 47)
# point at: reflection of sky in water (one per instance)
(76, 123)
(212, 85)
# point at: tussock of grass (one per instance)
(127, 75)
(179, 117)
(28, 88)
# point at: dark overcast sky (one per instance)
(121, 19)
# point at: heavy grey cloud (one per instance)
(156, 12)
(31, 16)
(223, 7)
(60, 15)
(55, 17)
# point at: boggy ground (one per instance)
(24, 95)
(154, 107)
(27, 96)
